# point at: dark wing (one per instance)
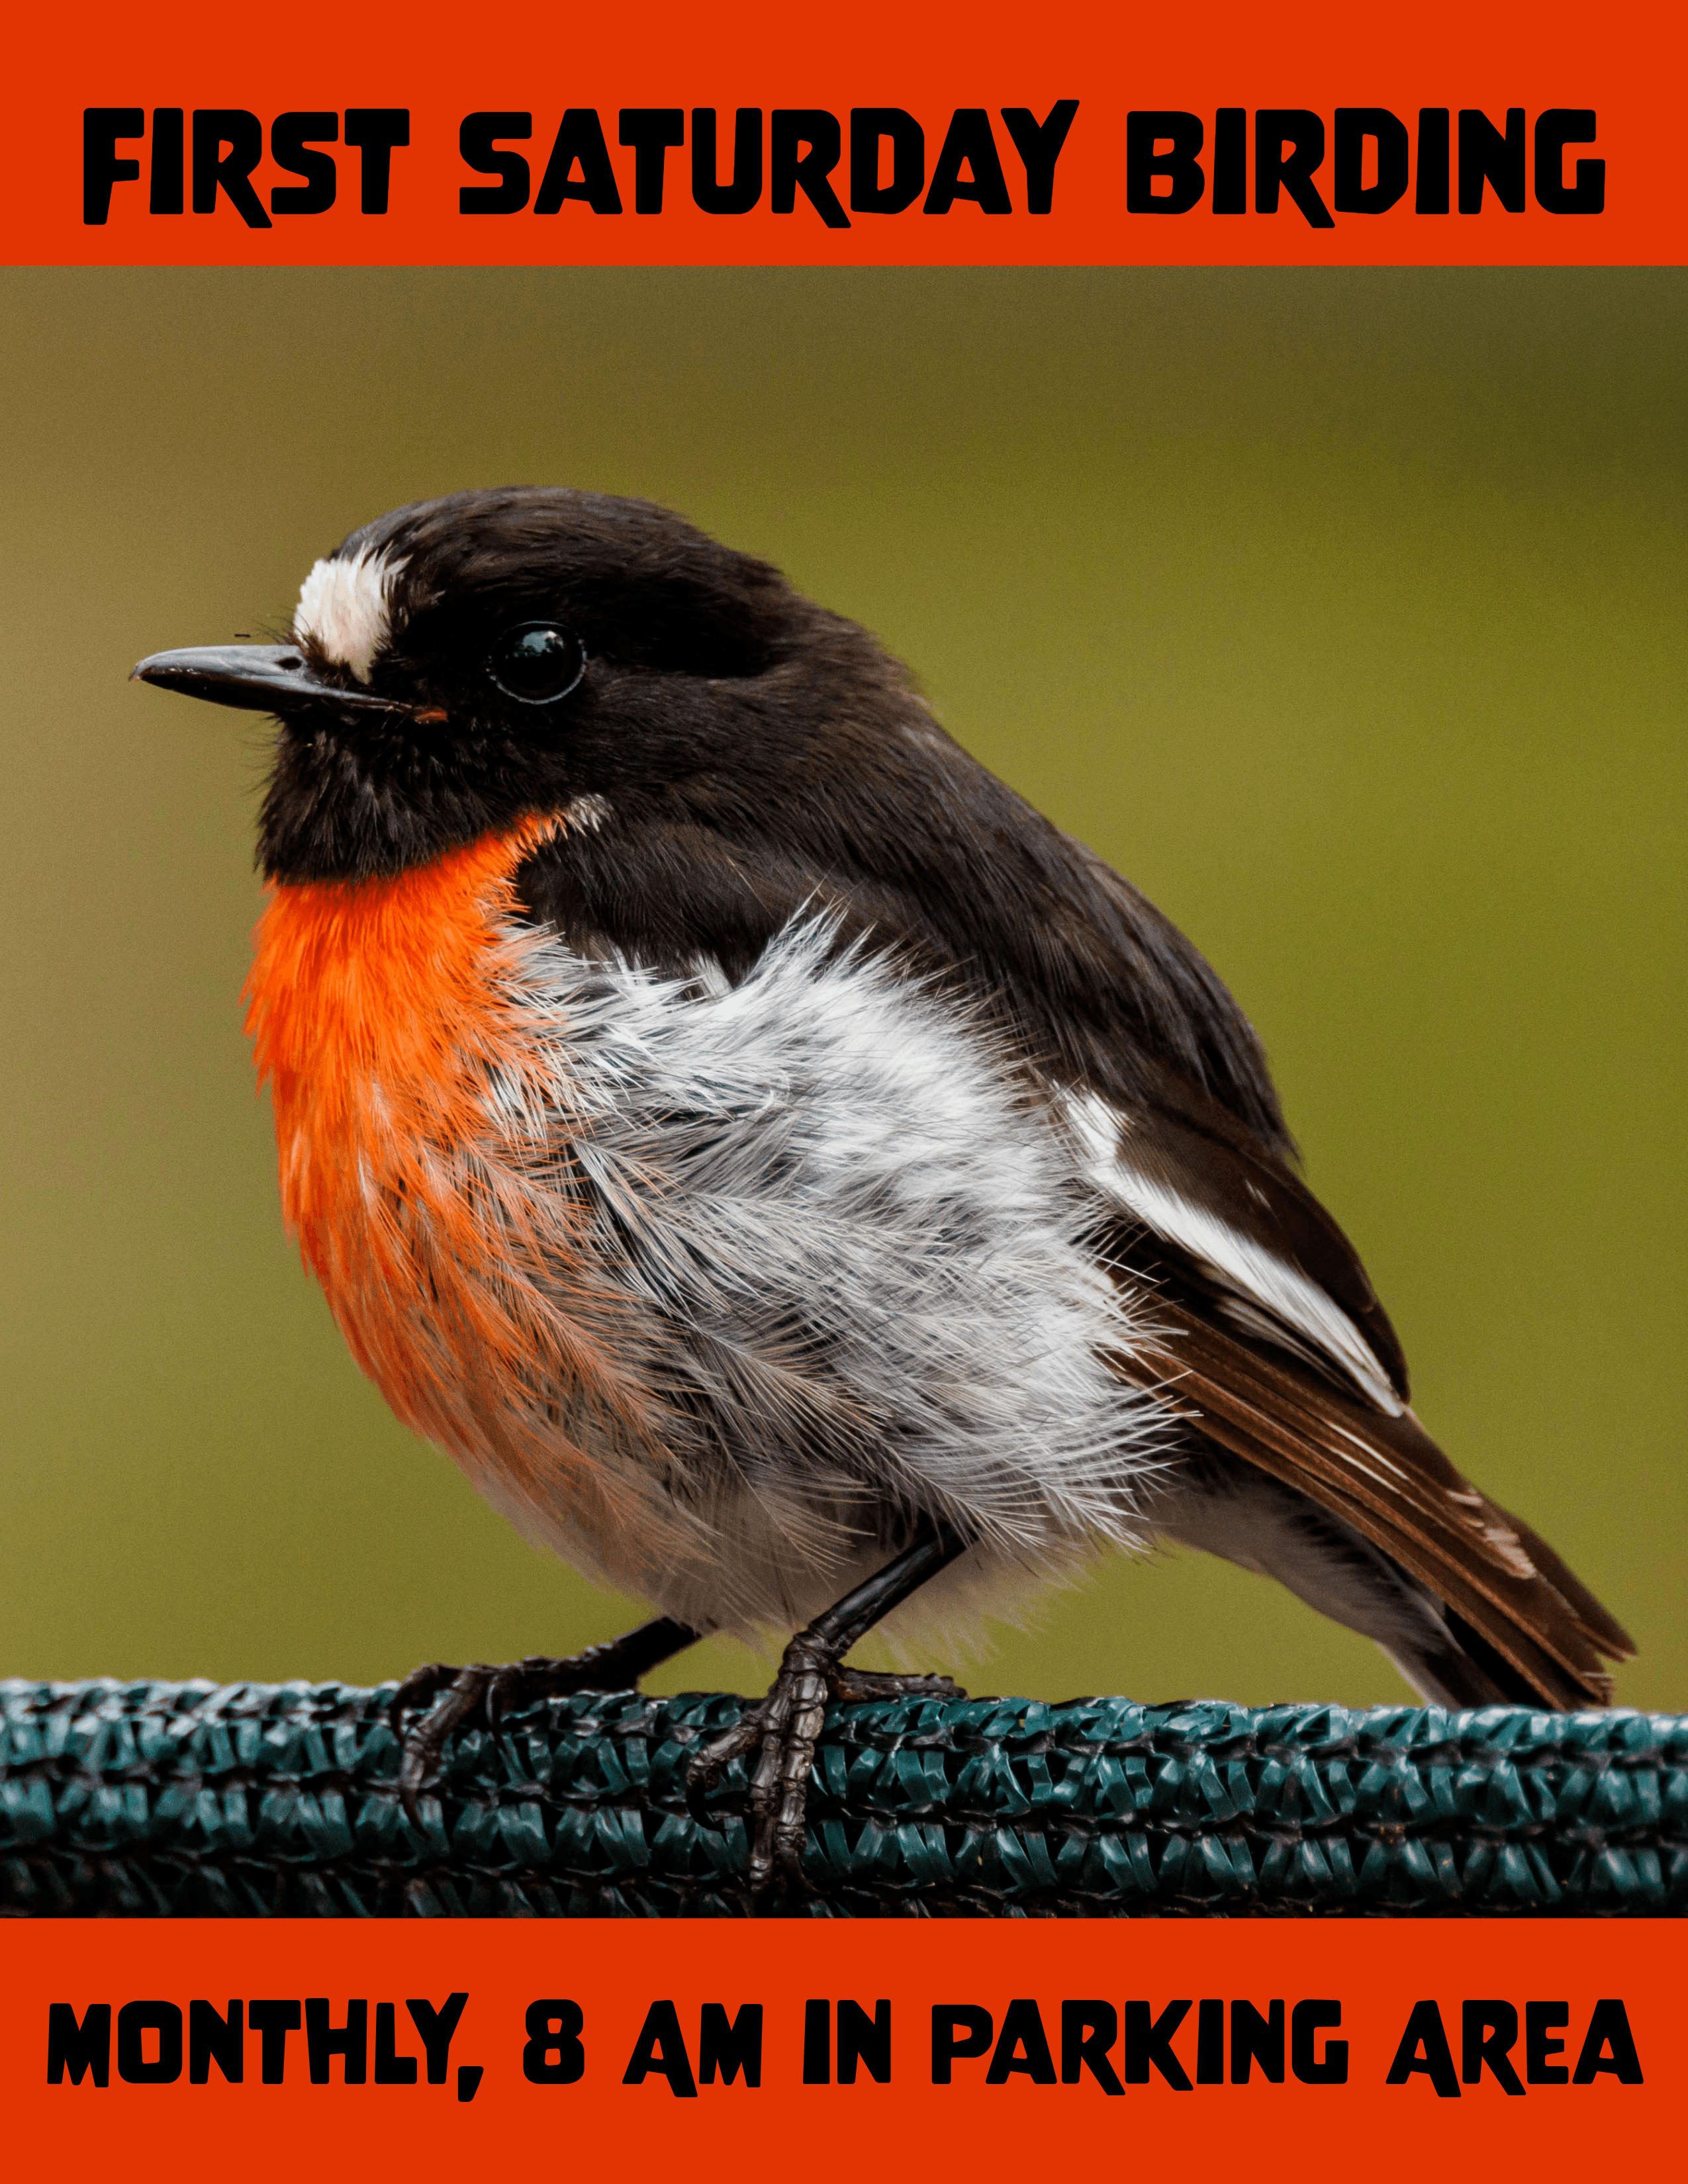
(1277, 1348)
(1386, 1478)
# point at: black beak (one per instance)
(258, 678)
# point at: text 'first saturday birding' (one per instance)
(839, 169)
(793, 1179)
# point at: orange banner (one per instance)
(877, 135)
(1549, 2048)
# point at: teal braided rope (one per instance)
(151, 1799)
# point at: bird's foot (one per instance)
(447, 1698)
(454, 1697)
(782, 1730)
(852, 1686)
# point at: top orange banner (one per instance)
(866, 134)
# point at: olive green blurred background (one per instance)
(1343, 610)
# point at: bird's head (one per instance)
(460, 663)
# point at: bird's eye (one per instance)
(536, 662)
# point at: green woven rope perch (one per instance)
(155, 1799)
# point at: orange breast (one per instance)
(388, 1019)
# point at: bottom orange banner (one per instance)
(632, 2050)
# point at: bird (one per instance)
(797, 1183)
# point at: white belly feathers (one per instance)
(850, 1254)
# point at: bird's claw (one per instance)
(782, 1730)
(451, 1696)
(454, 1697)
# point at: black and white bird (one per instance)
(791, 1177)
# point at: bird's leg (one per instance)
(453, 1696)
(784, 1728)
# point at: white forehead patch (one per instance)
(342, 608)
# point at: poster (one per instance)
(1262, 443)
